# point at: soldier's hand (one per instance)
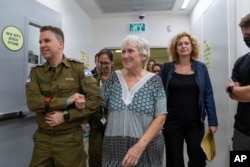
(54, 118)
(80, 103)
(74, 97)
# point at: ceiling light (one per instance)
(185, 4)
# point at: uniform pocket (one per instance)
(45, 89)
(78, 136)
(69, 87)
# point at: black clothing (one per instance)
(183, 94)
(94, 72)
(183, 122)
(192, 133)
(241, 74)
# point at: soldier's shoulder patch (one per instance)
(88, 73)
(75, 60)
(28, 80)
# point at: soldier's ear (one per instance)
(61, 44)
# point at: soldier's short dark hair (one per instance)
(57, 31)
(245, 21)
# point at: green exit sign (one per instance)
(137, 27)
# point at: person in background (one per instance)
(156, 68)
(62, 92)
(190, 99)
(98, 120)
(238, 89)
(96, 70)
(137, 111)
(150, 65)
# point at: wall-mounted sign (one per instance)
(137, 27)
(85, 58)
(12, 38)
(207, 53)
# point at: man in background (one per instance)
(239, 90)
(96, 70)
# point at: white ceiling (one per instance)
(106, 8)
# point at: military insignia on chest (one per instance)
(69, 79)
(43, 81)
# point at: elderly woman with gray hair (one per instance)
(137, 111)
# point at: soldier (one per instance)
(62, 92)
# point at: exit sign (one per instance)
(137, 27)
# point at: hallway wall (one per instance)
(218, 24)
(16, 142)
(110, 32)
(76, 25)
(213, 26)
(16, 134)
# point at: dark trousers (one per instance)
(175, 133)
(95, 146)
(241, 141)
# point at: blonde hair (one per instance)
(172, 48)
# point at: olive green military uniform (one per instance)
(61, 145)
(97, 128)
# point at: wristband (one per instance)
(67, 102)
(230, 89)
(46, 105)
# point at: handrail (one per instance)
(16, 114)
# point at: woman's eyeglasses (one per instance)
(104, 63)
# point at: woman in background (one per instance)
(156, 68)
(137, 111)
(190, 98)
(150, 65)
(98, 120)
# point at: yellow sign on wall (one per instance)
(12, 38)
(85, 58)
(207, 53)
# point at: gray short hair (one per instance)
(139, 42)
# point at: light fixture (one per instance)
(185, 4)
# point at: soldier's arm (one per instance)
(34, 98)
(91, 93)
